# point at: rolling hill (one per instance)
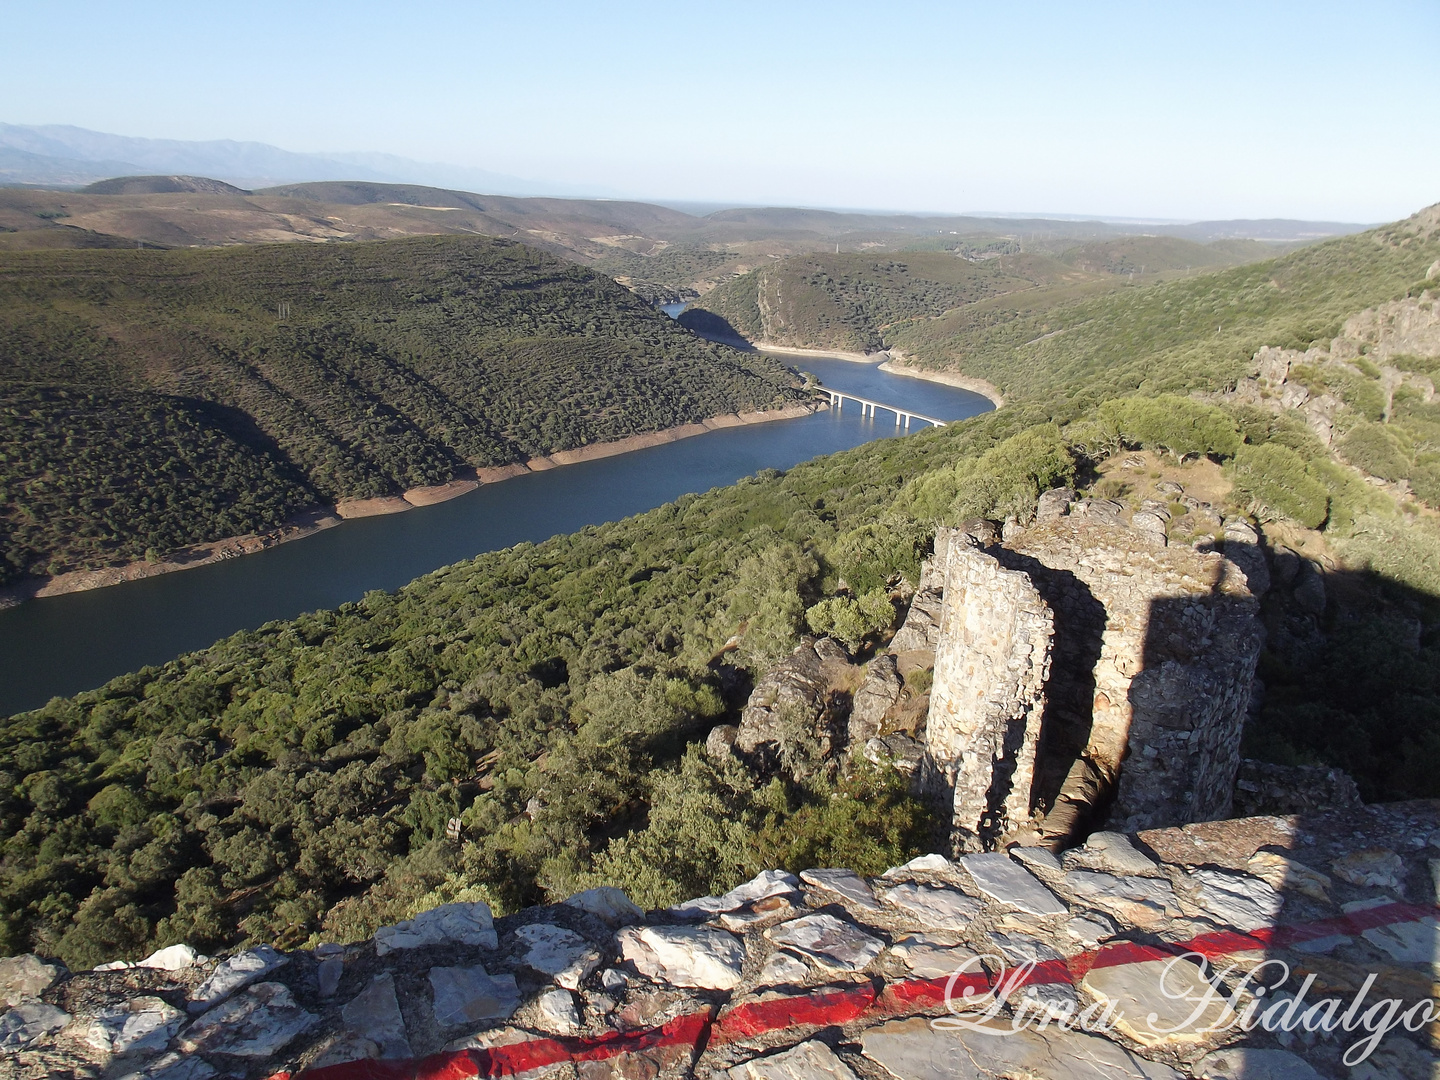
(150, 400)
(294, 784)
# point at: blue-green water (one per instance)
(64, 644)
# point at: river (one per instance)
(65, 644)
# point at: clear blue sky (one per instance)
(1165, 109)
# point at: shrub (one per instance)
(1005, 479)
(1274, 481)
(869, 556)
(1181, 426)
(851, 621)
(1376, 450)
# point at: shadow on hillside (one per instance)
(712, 327)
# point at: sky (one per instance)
(1175, 110)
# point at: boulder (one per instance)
(792, 700)
(25, 976)
(874, 698)
(1054, 504)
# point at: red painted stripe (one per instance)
(824, 1009)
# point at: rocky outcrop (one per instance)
(875, 697)
(1083, 667)
(794, 711)
(831, 974)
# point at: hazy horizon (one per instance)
(1184, 114)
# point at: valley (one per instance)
(558, 697)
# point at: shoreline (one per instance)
(823, 354)
(892, 362)
(896, 366)
(317, 518)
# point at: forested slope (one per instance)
(846, 301)
(295, 782)
(154, 399)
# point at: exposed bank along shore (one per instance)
(892, 362)
(317, 518)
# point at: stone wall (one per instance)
(988, 696)
(1113, 671)
(826, 976)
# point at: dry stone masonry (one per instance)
(1081, 667)
(829, 974)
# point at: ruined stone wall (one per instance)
(1113, 671)
(988, 695)
(1174, 663)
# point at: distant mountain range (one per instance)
(58, 155)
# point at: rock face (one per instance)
(793, 702)
(987, 698)
(880, 690)
(1082, 666)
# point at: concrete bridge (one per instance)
(868, 407)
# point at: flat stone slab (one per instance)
(1146, 902)
(234, 974)
(25, 976)
(921, 864)
(831, 942)
(809, 1061)
(173, 1066)
(608, 904)
(28, 1021)
(763, 885)
(934, 956)
(471, 995)
(374, 1014)
(782, 969)
(914, 1050)
(142, 1024)
(557, 1012)
(458, 924)
(843, 883)
(1111, 852)
(1155, 1001)
(1003, 879)
(254, 1024)
(562, 954)
(939, 907)
(695, 956)
(1378, 868)
(1237, 900)
(1414, 942)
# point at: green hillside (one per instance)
(1056, 344)
(294, 783)
(848, 301)
(154, 399)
